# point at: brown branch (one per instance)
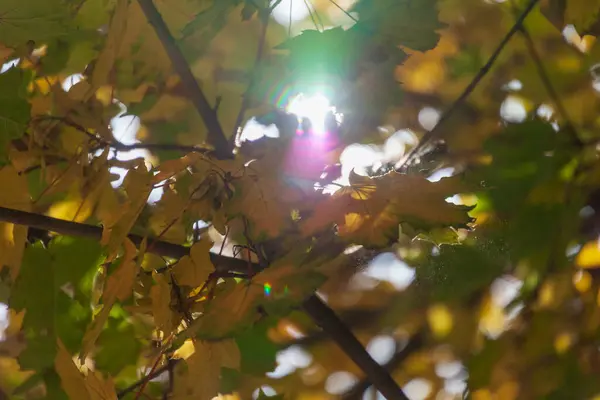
(102, 143)
(414, 343)
(157, 372)
(470, 87)
(324, 316)
(222, 263)
(216, 136)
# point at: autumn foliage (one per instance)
(150, 250)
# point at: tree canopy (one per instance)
(299, 199)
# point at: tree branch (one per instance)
(324, 316)
(320, 313)
(216, 136)
(221, 263)
(414, 343)
(157, 372)
(470, 87)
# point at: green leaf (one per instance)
(459, 271)
(257, 350)
(14, 109)
(230, 380)
(410, 23)
(39, 353)
(117, 346)
(36, 276)
(333, 52)
(73, 258)
(36, 20)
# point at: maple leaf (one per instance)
(264, 197)
(105, 61)
(13, 237)
(164, 317)
(76, 385)
(232, 309)
(137, 185)
(14, 108)
(410, 23)
(119, 286)
(332, 52)
(371, 209)
(204, 365)
(24, 20)
(193, 270)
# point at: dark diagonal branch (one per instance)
(216, 136)
(432, 134)
(320, 313)
(324, 316)
(414, 343)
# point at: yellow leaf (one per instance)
(106, 60)
(440, 320)
(582, 280)
(166, 216)
(371, 209)
(193, 270)
(99, 388)
(76, 385)
(160, 294)
(264, 197)
(119, 286)
(13, 237)
(171, 167)
(563, 342)
(138, 186)
(589, 255)
(71, 378)
(204, 365)
(231, 309)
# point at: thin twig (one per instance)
(547, 82)
(215, 135)
(264, 20)
(102, 143)
(470, 88)
(324, 316)
(157, 372)
(343, 10)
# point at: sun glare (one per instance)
(314, 108)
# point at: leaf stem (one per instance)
(436, 131)
(215, 135)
